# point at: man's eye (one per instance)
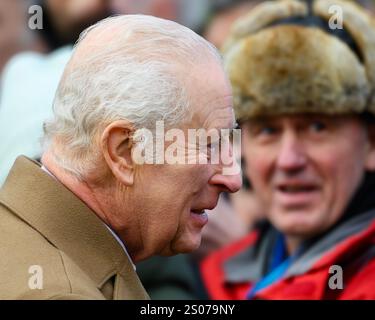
(318, 126)
(212, 148)
(267, 130)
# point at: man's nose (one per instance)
(291, 156)
(230, 182)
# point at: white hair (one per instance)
(132, 77)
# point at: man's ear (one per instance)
(116, 148)
(370, 160)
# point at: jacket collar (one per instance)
(250, 265)
(65, 221)
(334, 243)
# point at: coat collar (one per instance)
(250, 265)
(65, 221)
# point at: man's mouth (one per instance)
(199, 217)
(297, 194)
(199, 214)
(198, 211)
(296, 188)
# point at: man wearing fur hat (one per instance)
(304, 94)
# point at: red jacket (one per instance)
(232, 271)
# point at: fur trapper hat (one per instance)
(283, 58)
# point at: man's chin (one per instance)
(183, 246)
(301, 219)
(299, 229)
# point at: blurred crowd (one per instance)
(31, 64)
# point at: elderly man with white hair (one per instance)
(73, 225)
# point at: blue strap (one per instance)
(278, 265)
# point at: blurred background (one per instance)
(63, 20)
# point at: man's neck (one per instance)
(98, 201)
(292, 244)
(81, 189)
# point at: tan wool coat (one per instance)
(52, 246)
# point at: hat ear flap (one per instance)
(263, 15)
(361, 26)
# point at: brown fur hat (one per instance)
(289, 68)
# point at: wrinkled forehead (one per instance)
(214, 111)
